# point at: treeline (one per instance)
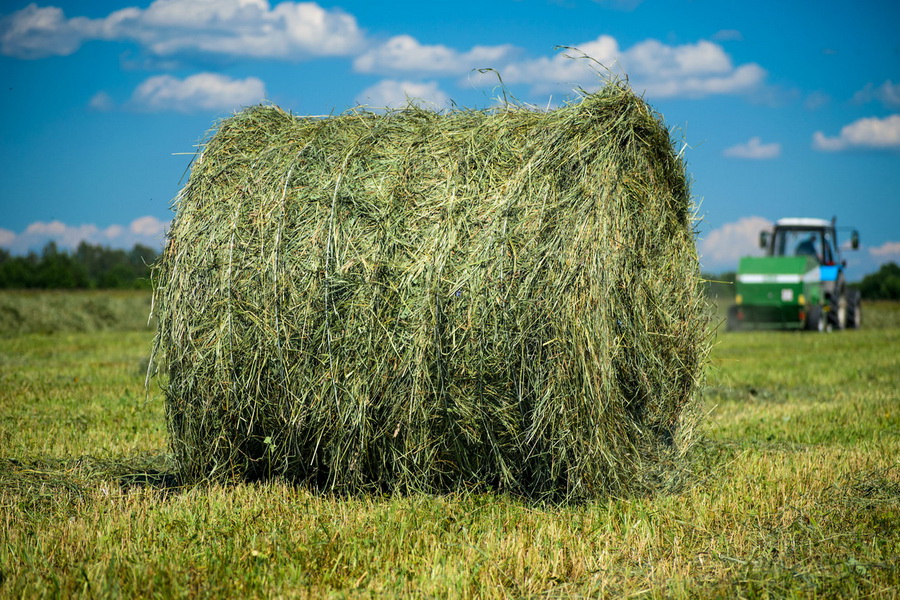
(87, 267)
(99, 267)
(884, 284)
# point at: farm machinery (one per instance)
(799, 283)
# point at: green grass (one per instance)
(795, 492)
(31, 311)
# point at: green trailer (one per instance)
(799, 283)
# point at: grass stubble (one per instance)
(795, 491)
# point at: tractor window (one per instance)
(800, 242)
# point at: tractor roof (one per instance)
(802, 222)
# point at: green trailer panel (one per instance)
(776, 291)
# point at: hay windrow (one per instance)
(417, 301)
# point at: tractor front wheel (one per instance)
(815, 320)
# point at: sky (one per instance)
(781, 109)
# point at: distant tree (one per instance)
(141, 258)
(884, 284)
(58, 270)
(15, 272)
(88, 266)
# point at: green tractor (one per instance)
(799, 283)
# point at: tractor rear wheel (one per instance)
(840, 312)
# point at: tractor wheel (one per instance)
(839, 312)
(732, 323)
(815, 320)
(854, 309)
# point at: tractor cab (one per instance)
(815, 238)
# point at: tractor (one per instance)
(799, 283)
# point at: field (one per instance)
(794, 489)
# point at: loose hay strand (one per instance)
(418, 301)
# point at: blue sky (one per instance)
(786, 108)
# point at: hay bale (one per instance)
(419, 301)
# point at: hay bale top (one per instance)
(414, 300)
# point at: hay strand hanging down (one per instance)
(420, 301)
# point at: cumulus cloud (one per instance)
(549, 73)
(390, 93)
(868, 133)
(657, 69)
(147, 230)
(290, 30)
(888, 93)
(35, 32)
(754, 149)
(886, 251)
(740, 80)
(721, 248)
(203, 91)
(689, 70)
(403, 53)
(148, 227)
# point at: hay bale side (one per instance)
(420, 301)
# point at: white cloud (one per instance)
(743, 79)
(869, 133)
(403, 53)
(886, 251)
(64, 235)
(114, 231)
(546, 74)
(35, 32)
(689, 70)
(754, 149)
(660, 70)
(390, 93)
(888, 93)
(148, 231)
(721, 248)
(7, 237)
(147, 227)
(655, 59)
(203, 91)
(290, 30)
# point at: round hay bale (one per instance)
(504, 299)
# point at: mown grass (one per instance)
(795, 492)
(33, 311)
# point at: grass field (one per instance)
(795, 491)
